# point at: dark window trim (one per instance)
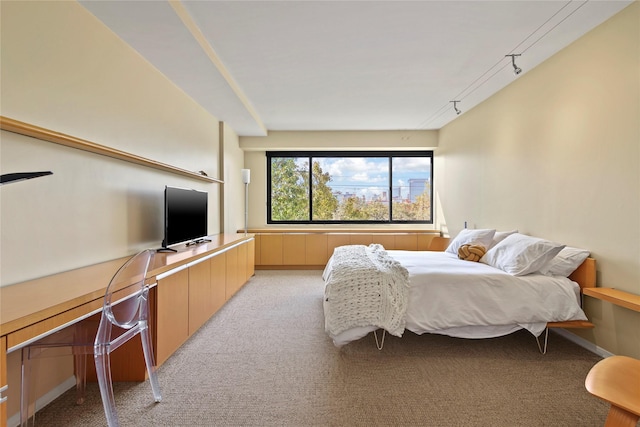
(311, 154)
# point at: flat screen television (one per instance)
(185, 216)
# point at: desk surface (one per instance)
(27, 303)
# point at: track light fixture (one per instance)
(517, 70)
(455, 107)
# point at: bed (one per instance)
(368, 288)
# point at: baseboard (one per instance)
(45, 399)
(583, 343)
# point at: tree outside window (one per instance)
(349, 187)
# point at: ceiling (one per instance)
(263, 66)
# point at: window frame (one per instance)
(377, 154)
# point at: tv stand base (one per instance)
(196, 242)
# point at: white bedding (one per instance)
(468, 299)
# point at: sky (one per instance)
(366, 176)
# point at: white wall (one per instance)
(556, 154)
(233, 187)
(63, 70)
(255, 158)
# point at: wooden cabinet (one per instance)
(294, 249)
(406, 242)
(243, 260)
(3, 381)
(199, 295)
(188, 287)
(298, 249)
(361, 239)
(218, 269)
(335, 240)
(271, 249)
(187, 298)
(172, 319)
(257, 249)
(424, 241)
(251, 259)
(231, 284)
(316, 249)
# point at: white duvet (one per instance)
(468, 299)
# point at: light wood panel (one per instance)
(615, 296)
(232, 273)
(342, 230)
(20, 336)
(386, 240)
(3, 382)
(241, 268)
(294, 249)
(199, 295)
(360, 239)
(177, 304)
(406, 242)
(251, 258)
(16, 126)
(172, 328)
(572, 324)
(218, 270)
(335, 240)
(437, 243)
(271, 249)
(27, 303)
(316, 249)
(258, 249)
(616, 380)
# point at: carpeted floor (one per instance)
(265, 360)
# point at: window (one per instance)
(349, 187)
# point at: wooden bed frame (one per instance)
(585, 276)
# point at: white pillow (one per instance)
(520, 255)
(566, 262)
(480, 237)
(500, 236)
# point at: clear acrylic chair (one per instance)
(125, 314)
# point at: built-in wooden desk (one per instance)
(33, 309)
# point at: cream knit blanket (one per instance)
(366, 287)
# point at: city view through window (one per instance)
(374, 188)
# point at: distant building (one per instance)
(416, 188)
(396, 194)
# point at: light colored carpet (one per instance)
(265, 360)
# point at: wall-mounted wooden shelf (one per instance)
(615, 296)
(27, 129)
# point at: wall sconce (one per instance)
(9, 178)
(517, 70)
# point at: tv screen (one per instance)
(185, 215)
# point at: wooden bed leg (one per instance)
(546, 340)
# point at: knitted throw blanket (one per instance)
(366, 288)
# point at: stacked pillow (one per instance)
(565, 262)
(518, 254)
(500, 236)
(475, 237)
